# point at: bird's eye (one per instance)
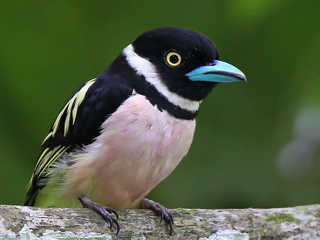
(173, 59)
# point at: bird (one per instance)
(123, 132)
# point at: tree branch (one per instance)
(301, 222)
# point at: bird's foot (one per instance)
(159, 210)
(107, 213)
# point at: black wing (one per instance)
(77, 124)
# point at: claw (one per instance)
(159, 210)
(161, 217)
(104, 211)
(110, 210)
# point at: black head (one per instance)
(177, 52)
(175, 68)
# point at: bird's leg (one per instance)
(105, 212)
(159, 210)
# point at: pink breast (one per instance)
(138, 148)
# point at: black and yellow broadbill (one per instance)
(123, 132)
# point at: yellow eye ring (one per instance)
(173, 59)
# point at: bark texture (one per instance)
(302, 222)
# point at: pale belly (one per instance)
(132, 155)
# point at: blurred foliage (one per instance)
(48, 48)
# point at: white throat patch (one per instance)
(145, 68)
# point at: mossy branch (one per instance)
(300, 222)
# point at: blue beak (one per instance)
(219, 72)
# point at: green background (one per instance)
(256, 143)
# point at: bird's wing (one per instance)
(77, 124)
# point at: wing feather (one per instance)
(77, 124)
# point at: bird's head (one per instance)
(187, 63)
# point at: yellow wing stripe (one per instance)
(48, 157)
(71, 109)
(80, 97)
(46, 138)
(44, 153)
(55, 156)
